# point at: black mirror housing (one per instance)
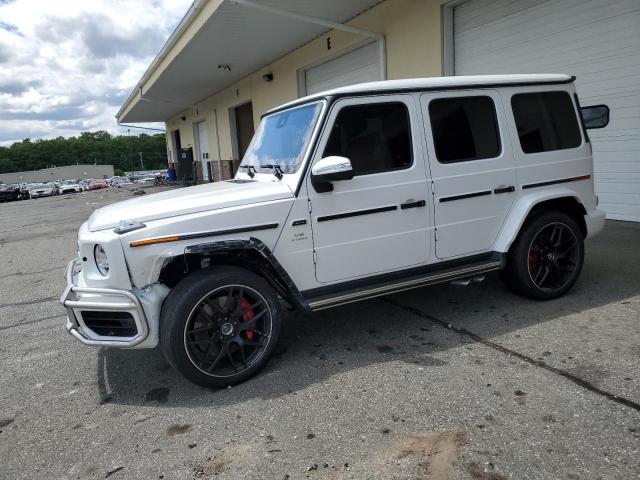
(595, 116)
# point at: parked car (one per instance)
(9, 193)
(55, 187)
(147, 179)
(37, 190)
(98, 184)
(405, 183)
(70, 186)
(84, 184)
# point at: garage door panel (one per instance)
(598, 41)
(358, 66)
(543, 20)
(620, 164)
(475, 14)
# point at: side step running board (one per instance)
(468, 273)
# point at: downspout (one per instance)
(380, 38)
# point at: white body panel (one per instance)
(201, 198)
(317, 253)
(598, 42)
(470, 225)
(362, 245)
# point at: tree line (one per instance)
(102, 148)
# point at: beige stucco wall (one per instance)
(412, 29)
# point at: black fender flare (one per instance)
(274, 272)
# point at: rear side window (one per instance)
(546, 121)
(464, 129)
(375, 137)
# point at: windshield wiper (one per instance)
(251, 170)
(277, 170)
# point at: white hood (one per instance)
(182, 201)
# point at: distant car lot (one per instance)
(440, 382)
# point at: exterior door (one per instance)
(203, 149)
(380, 220)
(244, 127)
(472, 169)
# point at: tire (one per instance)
(219, 326)
(546, 259)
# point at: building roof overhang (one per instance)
(219, 42)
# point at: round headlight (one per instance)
(102, 262)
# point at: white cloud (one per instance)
(66, 66)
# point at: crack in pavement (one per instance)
(29, 322)
(20, 274)
(30, 302)
(538, 363)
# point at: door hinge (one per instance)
(315, 257)
(433, 189)
(309, 205)
(435, 230)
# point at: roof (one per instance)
(434, 83)
(220, 42)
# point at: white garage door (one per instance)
(598, 41)
(358, 66)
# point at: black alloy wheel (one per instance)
(218, 326)
(228, 331)
(553, 257)
(546, 258)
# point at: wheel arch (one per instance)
(251, 254)
(559, 200)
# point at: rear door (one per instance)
(380, 220)
(472, 169)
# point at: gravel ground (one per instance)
(436, 383)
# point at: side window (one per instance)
(546, 121)
(375, 137)
(464, 129)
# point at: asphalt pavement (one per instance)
(439, 383)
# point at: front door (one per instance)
(472, 169)
(203, 150)
(244, 128)
(380, 220)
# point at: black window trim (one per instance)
(384, 102)
(576, 113)
(495, 120)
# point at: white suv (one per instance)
(342, 196)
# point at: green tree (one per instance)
(100, 147)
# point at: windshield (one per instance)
(282, 138)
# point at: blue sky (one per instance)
(66, 66)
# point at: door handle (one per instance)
(504, 189)
(412, 204)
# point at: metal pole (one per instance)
(130, 152)
(141, 165)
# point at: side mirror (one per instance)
(595, 116)
(330, 169)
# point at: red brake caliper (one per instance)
(248, 316)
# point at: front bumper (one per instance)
(77, 299)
